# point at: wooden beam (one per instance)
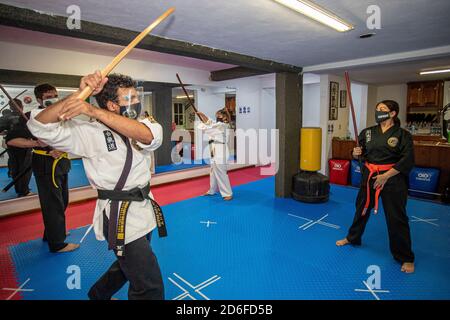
(53, 24)
(28, 78)
(234, 73)
(288, 121)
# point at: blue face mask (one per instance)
(381, 116)
(133, 111)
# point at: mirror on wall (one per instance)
(185, 145)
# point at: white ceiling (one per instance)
(267, 30)
(395, 73)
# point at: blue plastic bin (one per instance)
(355, 174)
(423, 179)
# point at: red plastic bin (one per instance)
(339, 170)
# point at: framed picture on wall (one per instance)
(343, 99)
(333, 114)
(334, 96)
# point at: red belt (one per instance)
(374, 168)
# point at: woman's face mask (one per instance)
(381, 116)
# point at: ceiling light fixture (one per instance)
(184, 97)
(434, 71)
(317, 13)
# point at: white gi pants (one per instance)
(218, 180)
(218, 177)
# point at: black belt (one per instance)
(135, 194)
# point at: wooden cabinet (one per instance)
(422, 138)
(414, 94)
(230, 104)
(425, 94)
(342, 149)
(432, 94)
(434, 157)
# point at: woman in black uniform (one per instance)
(388, 153)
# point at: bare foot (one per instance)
(342, 242)
(208, 194)
(408, 267)
(70, 247)
(228, 198)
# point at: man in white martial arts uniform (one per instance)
(116, 155)
(217, 131)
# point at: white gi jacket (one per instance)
(104, 153)
(217, 131)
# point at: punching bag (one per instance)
(309, 185)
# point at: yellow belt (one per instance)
(55, 162)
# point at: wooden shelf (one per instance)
(423, 108)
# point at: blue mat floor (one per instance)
(261, 247)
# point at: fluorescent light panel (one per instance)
(184, 97)
(434, 71)
(317, 13)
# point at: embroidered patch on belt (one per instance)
(110, 141)
(392, 142)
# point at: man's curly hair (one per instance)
(109, 92)
(43, 88)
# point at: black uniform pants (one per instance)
(19, 161)
(53, 205)
(394, 197)
(139, 266)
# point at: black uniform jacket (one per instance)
(42, 165)
(395, 146)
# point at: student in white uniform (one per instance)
(217, 132)
(116, 155)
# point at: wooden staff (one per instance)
(187, 96)
(19, 176)
(186, 93)
(88, 90)
(352, 108)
